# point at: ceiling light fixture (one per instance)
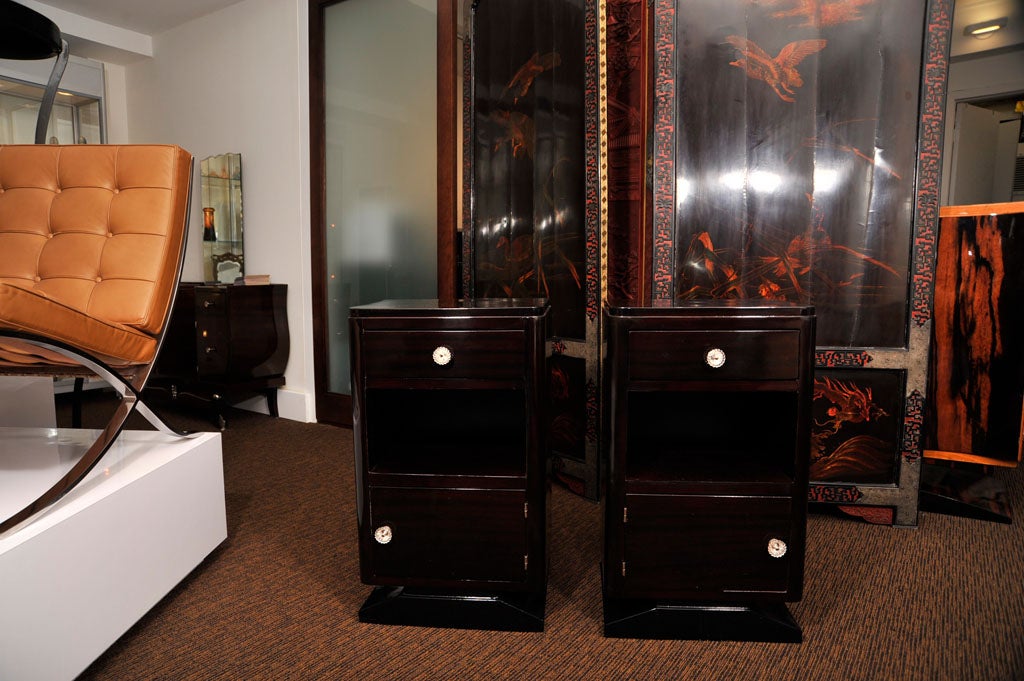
(985, 29)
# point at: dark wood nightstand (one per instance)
(449, 420)
(225, 343)
(705, 513)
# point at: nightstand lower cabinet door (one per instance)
(432, 536)
(708, 548)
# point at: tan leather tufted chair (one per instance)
(91, 246)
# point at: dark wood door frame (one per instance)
(336, 408)
(448, 129)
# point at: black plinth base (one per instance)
(965, 491)
(699, 622)
(427, 608)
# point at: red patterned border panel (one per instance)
(833, 494)
(664, 148)
(841, 359)
(593, 407)
(591, 143)
(933, 99)
(913, 423)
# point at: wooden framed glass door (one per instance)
(376, 189)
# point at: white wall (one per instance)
(237, 81)
(115, 104)
(974, 78)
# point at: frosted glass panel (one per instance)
(381, 160)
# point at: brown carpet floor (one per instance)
(278, 600)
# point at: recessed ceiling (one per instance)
(970, 12)
(149, 17)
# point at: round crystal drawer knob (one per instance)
(442, 355)
(715, 358)
(776, 548)
(383, 534)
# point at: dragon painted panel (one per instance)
(858, 417)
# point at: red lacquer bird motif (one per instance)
(538, 64)
(516, 128)
(824, 12)
(779, 72)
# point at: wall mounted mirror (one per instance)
(221, 184)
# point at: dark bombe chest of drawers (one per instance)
(705, 511)
(224, 343)
(449, 425)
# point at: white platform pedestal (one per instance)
(77, 576)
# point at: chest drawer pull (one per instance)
(776, 548)
(383, 534)
(715, 358)
(442, 355)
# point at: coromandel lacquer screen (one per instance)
(792, 154)
(530, 213)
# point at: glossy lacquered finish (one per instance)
(975, 408)
(449, 424)
(709, 445)
(976, 374)
(224, 343)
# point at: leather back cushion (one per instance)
(98, 228)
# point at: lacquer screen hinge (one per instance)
(526, 561)
(625, 514)
(526, 509)
(623, 568)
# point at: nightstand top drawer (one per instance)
(714, 355)
(485, 355)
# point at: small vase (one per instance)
(209, 232)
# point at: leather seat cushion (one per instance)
(34, 312)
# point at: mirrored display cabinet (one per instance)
(220, 179)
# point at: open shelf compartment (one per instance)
(711, 436)
(447, 431)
